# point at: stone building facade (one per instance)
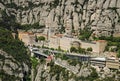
(27, 37)
(65, 43)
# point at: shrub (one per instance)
(13, 46)
(118, 54)
(73, 49)
(89, 49)
(85, 34)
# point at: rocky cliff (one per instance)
(14, 59)
(11, 69)
(71, 70)
(55, 72)
(100, 15)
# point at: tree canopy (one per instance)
(13, 46)
(85, 34)
(89, 49)
(31, 26)
(118, 54)
(41, 38)
(73, 49)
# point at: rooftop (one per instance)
(29, 33)
(99, 58)
(101, 41)
(59, 35)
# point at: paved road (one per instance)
(38, 52)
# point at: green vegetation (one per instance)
(73, 49)
(59, 48)
(62, 56)
(62, 30)
(46, 52)
(113, 8)
(41, 38)
(34, 62)
(74, 62)
(85, 34)
(93, 75)
(118, 54)
(15, 6)
(13, 46)
(10, 23)
(2, 57)
(59, 71)
(112, 41)
(32, 5)
(108, 79)
(89, 49)
(16, 49)
(31, 26)
(11, 5)
(95, 38)
(79, 50)
(54, 4)
(6, 77)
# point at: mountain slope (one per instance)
(100, 15)
(14, 61)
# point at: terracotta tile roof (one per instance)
(53, 37)
(101, 41)
(45, 35)
(49, 58)
(29, 33)
(59, 35)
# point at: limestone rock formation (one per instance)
(11, 69)
(99, 15)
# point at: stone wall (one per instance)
(66, 43)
